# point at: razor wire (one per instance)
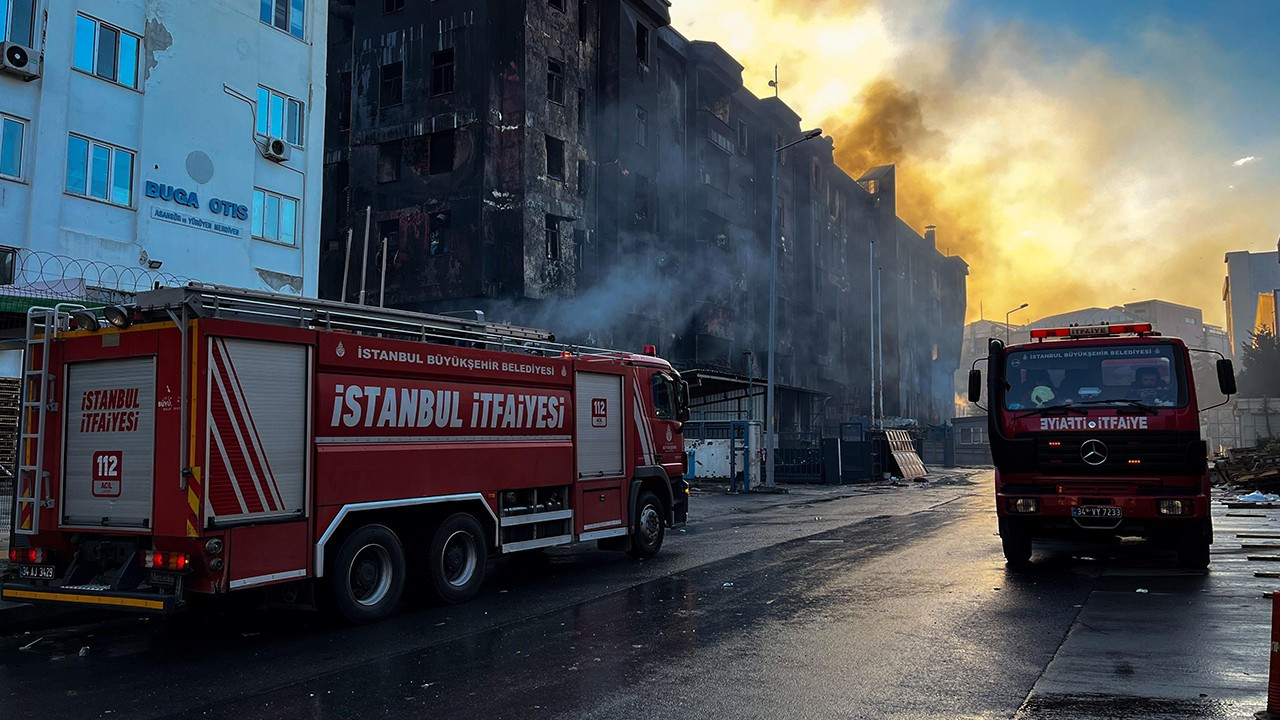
(45, 275)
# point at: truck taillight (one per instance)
(162, 560)
(28, 556)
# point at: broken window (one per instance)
(390, 6)
(344, 101)
(742, 137)
(553, 237)
(442, 72)
(555, 81)
(579, 247)
(583, 169)
(391, 84)
(557, 4)
(642, 43)
(642, 197)
(441, 159)
(869, 186)
(642, 127)
(389, 233)
(582, 20)
(555, 158)
(582, 110)
(389, 154)
(440, 232)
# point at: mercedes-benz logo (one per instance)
(1093, 452)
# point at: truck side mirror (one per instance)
(1226, 377)
(975, 385)
(682, 401)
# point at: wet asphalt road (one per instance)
(827, 603)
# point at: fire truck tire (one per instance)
(457, 559)
(1016, 543)
(1193, 548)
(648, 530)
(368, 575)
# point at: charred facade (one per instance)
(579, 165)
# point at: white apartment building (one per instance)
(179, 136)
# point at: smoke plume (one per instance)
(1064, 180)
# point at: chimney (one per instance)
(931, 236)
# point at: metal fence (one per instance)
(6, 506)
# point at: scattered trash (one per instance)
(1256, 496)
(84, 651)
(31, 644)
(728, 584)
(1141, 590)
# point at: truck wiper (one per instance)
(1131, 403)
(1053, 410)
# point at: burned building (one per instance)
(579, 165)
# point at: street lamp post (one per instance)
(771, 413)
(1006, 320)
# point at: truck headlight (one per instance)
(1174, 507)
(1024, 505)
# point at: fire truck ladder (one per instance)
(33, 492)
(216, 301)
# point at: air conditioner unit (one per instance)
(276, 149)
(19, 60)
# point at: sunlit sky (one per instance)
(1075, 153)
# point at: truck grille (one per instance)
(1126, 454)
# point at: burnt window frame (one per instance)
(435, 144)
(443, 73)
(550, 142)
(392, 6)
(391, 150)
(643, 34)
(383, 85)
(554, 236)
(642, 127)
(556, 81)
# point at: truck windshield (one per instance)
(1056, 376)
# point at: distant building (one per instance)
(134, 144)
(582, 166)
(1249, 274)
(1267, 318)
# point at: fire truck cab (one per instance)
(209, 440)
(1095, 435)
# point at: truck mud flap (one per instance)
(90, 596)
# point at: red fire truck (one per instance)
(1095, 435)
(210, 440)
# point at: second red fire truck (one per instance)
(212, 440)
(1095, 434)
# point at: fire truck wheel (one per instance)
(1193, 549)
(368, 575)
(457, 560)
(646, 537)
(1016, 543)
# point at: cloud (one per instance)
(1065, 180)
(1244, 161)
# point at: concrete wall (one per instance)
(1257, 418)
(190, 123)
